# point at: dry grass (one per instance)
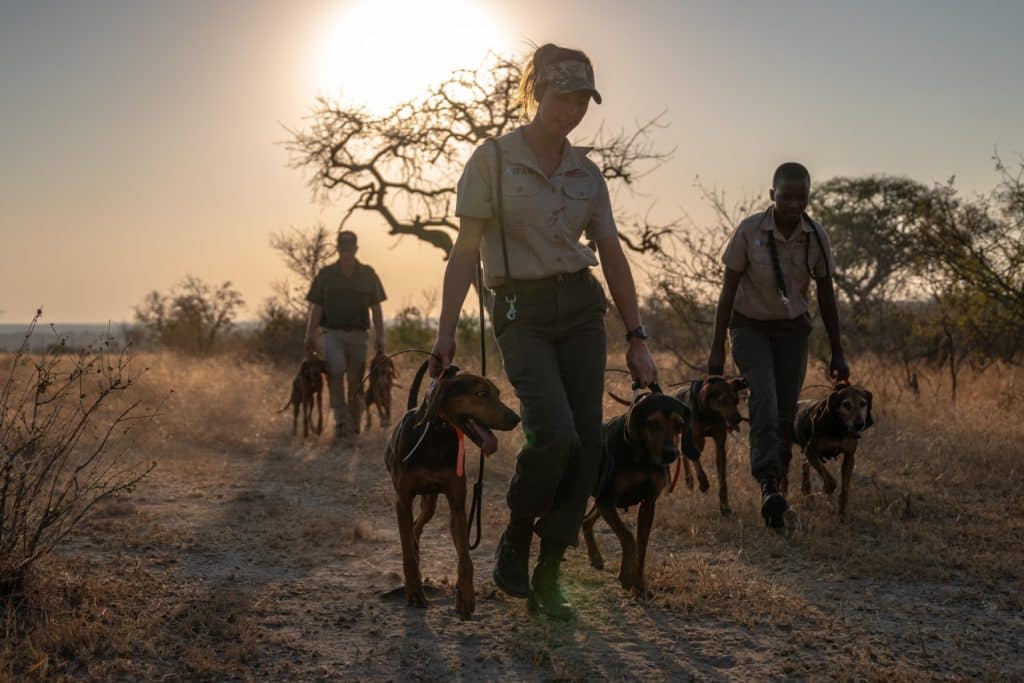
(148, 589)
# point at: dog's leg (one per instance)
(687, 474)
(805, 478)
(593, 552)
(827, 480)
(627, 570)
(428, 505)
(367, 405)
(296, 407)
(644, 524)
(844, 490)
(307, 414)
(414, 596)
(465, 598)
(702, 477)
(385, 409)
(319, 413)
(723, 483)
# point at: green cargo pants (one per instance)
(554, 354)
(774, 365)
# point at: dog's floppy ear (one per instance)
(633, 417)
(739, 383)
(870, 418)
(438, 390)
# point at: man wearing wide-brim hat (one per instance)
(341, 298)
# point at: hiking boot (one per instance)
(773, 504)
(546, 596)
(342, 433)
(512, 558)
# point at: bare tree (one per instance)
(304, 253)
(403, 166)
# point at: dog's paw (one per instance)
(597, 562)
(415, 597)
(465, 602)
(627, 574)
(642, 593)
(703, 482)
(725, 510)
(829, 484)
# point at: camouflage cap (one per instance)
(569, 75)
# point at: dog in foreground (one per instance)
(383, 374)
(828, 428)
(423, 458)
(638, 448)
(307, 387)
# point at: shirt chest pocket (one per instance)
(520, 198)
(578, 198)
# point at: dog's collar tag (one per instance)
(512, 312)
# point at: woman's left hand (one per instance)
(641, 363)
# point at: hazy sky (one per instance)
(139, 139)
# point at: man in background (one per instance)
(340, 301)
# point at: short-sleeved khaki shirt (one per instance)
(544, 217)
(799, 256)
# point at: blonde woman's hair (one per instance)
(529, 94)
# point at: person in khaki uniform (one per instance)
(765, 304)
(341, 298)
(548, 311)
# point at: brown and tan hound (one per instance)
(423, 457)
(713, 408)
(307, 388)
(638, 448)
(829, 428)
(383, 374)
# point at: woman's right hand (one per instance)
(716, 361)
(442, 354)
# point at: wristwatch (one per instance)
(638, 333)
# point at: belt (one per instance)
(546, 282)
(347, 328)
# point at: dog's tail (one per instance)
(286, 405)
(414, 388)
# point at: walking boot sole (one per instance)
(774, 511)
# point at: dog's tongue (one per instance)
(482, 436)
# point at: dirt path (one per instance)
(282, 561)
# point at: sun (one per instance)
(378, 53)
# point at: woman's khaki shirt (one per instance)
(544, 217)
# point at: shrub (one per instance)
(62, 422)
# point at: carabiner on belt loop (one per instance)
(511, 313)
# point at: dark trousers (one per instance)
(774, 365)
(554, 354)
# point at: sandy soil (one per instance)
(270, 557)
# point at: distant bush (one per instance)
(194, 317)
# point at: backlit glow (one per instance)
(378, 53)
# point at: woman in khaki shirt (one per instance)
(765, 305)
(548, 311)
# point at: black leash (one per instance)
(392, 355)
(476, 504)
